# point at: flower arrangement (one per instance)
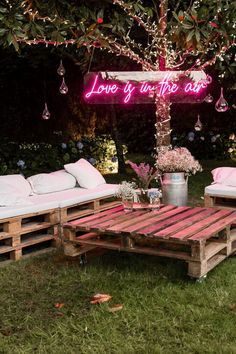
(178, 159)
(145, 174)
(126, 190)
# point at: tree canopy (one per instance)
(198, 33)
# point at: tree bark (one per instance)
(162, 103)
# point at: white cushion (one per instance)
(51, 182)
(15, 184)
(41, 202)
(13, 199)
(87, 176)
(225, 176)
(221, 190)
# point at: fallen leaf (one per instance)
(59, 305)
(115, 308)
(99, 298)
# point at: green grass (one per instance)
(164, 311)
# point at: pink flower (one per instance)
(145, 174)
(177, 160)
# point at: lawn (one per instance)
(163, 310)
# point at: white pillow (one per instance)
(87, 176)
(51, 182)
(11, 197)
(15, 184)
(225, 176)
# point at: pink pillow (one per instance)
(225, 176)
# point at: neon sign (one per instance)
(142, 87)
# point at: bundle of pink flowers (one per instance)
(177, 160)
(145, 174)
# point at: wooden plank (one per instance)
(24, 216)
(35, 240)
(213, 248)
(134, 220)
(118, 219)
(202, 224)
(75, 223)
(6, 249)
(214, 228)
(136, 249)
(4, 235)
(152, 217)
(180, 214)
(107, 219)
(178, 225)
(87, 236)
(34, 226)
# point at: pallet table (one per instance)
(203, 237)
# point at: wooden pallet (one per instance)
(27, 234)
(80, 210)
(202, 237)
(222, 201)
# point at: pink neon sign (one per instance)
(128, 87)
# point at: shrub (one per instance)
(33, 158)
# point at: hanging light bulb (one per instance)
(63, 88)
(221, 105)
(61, 70)
(46, 114)
(208, 98)
(198, 124)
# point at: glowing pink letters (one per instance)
(161, 88)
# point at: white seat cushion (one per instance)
(61, 199)
(83, 195)
(221, 190)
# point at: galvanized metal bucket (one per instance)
(174, 188)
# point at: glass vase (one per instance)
(128, 203)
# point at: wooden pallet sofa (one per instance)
(33, 210)
(222, 192)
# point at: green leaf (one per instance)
(187, 26)
(197, 36)
(2, 31)
(190, 35)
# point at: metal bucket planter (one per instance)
(174, 188)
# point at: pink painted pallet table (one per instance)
(203, 237)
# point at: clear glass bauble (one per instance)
(198, 124)
(208, 98)
(221, 105)
(63, 88)
(61, 70)
(46, 114)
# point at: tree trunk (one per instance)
(162, 103)
(116, 138)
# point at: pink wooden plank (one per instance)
(149, 230)
(171, 231)
(96, 216)
(117, 220)
(132, 221)
(202, 224)
(214, 228)
(88, 224)
(153, 219)
(153, 215)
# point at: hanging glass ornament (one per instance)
(63, 88)
(208, 98)
(198, 124)
(221, 105)
(46, 114)
(61, 70)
